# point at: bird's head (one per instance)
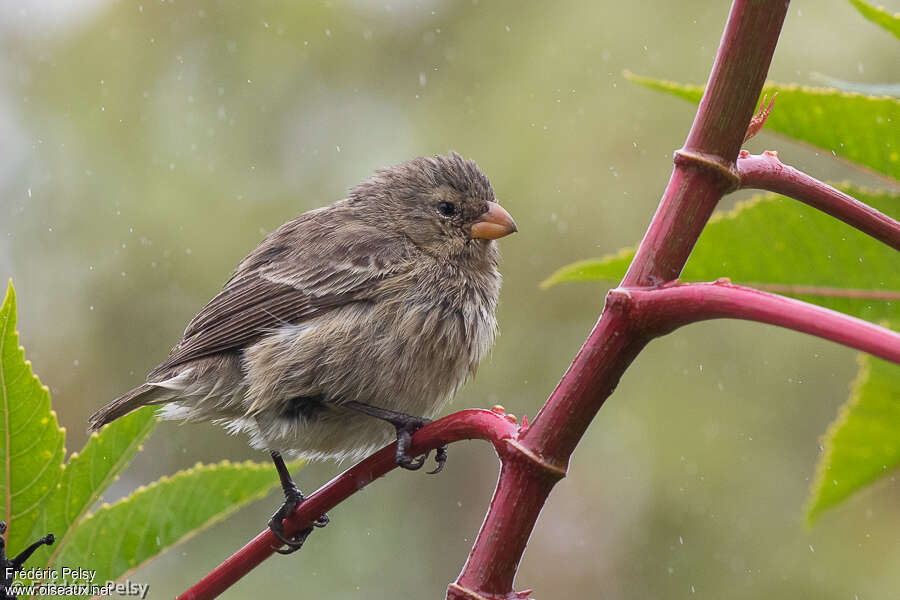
(444, 204)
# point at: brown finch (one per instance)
(380, 305)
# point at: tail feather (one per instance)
(142, 395)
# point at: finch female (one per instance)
(379, 305)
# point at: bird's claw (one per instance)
(293, 544)
(440, 459)
(411, 464)
(291, 501)
(405, 432)
(322, 521)
(406, 425)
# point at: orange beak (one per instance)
(493, 224)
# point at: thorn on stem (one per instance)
(759, 119)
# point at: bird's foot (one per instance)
(406, 425)
(292, 499)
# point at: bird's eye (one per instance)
(447, 209)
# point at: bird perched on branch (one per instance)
(348, 326)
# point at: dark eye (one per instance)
(448, 209)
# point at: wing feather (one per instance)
(305, 268)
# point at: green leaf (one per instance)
(879, 16)
(861, 129)
(119, 538)
(774, 241)
(32, 444)
(862, 445)
(86, 476)
(610, 267)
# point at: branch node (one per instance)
(725, 171)
(458, 592)
(619, 299)
(553, 470)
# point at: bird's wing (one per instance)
(307, 267)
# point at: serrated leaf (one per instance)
(862, 445)
(879, 16)
(775, 241)
(861, 129)
(86, 476)
(119, 538)
(32, 444)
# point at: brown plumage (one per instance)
(385, 298)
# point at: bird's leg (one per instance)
(406, 425)
(292, 499)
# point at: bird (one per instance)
(347, 327)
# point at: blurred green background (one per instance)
(147, 147)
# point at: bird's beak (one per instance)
(493, 224)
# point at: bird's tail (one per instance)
(142, 395)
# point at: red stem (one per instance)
(766, 172)
(660, 311)
(470, 424)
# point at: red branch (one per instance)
(471, 424)
(766, 172)
(822, 290)
(662, 310)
